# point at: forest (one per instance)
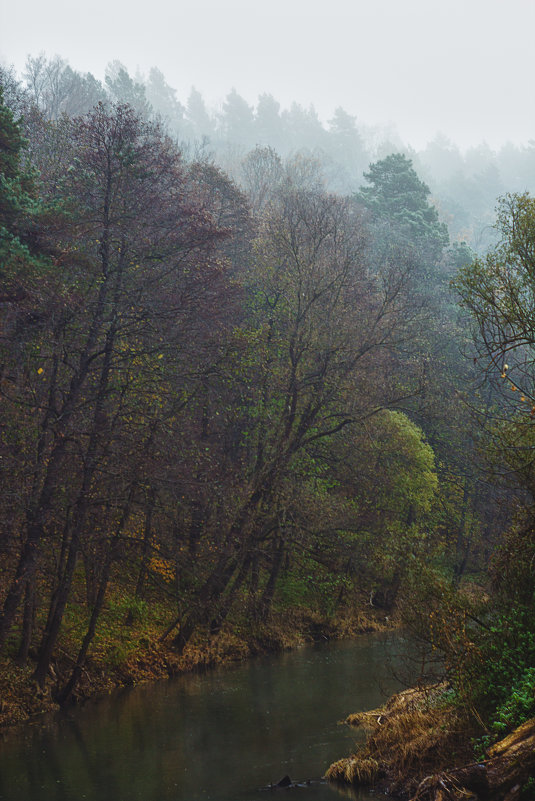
(259, 376)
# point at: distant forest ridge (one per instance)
(464, 185)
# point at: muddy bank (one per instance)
(420, 747)
(150, 659)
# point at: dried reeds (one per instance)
(355, 770)
(411, 736)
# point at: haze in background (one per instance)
(463, 67)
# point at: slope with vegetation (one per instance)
(199, 399)
(230, 408)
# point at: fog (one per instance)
(461, 68)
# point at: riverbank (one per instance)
(134, 653)
(420, 747)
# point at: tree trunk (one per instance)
(43, 497)
(226, 605)
(252, 601)
(28, 621)
(147, 534)
(79, 517)
(463, 544)
(269, 589)
(212, 589)
(64, 697)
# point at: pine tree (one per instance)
(18, 205)
(397, 195)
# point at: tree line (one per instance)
(465, 185)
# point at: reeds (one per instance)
(413, 735)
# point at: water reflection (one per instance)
(221, 736)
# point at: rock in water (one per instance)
(284, 782)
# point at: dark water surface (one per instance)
(221, 736)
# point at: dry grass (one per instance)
(358, 622)
(412, 736)
(355, 770)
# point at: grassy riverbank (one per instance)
(414, 734)
(420, 746)
(130, 651)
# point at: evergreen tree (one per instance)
(269, 129)
(163, 100)
(124, 89)
(237, 119)
(397, 195)
(198, 119)
(345, 143)
(17, 204)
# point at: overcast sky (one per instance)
(463, 67)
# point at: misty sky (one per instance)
(464, 67)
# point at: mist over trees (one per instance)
(464, 185)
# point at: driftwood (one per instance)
(507, 767)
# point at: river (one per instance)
(220, 736)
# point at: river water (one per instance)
(221, 736)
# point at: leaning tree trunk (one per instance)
(55, 463)
(65, 695)
(226, 604)
(209, 594)
(91, 457)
